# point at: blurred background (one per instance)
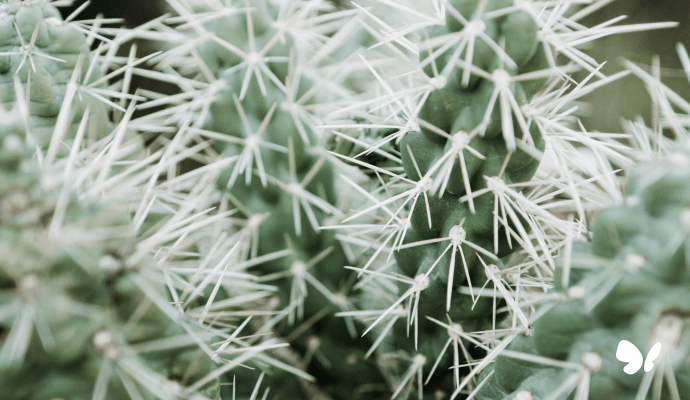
(625, 98)
(628, 97)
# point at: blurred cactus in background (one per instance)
(84, 312)
(332, 200)
(46, 53)
(630, 283)
(83, 308)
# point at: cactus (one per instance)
(628, 284)
(46, 54)
(74, 311)
(78, 298)
(475, 156)
(480, 155)
(472, 143)
(265, 86)
(84, 312)
(620, 296)
(205, 250)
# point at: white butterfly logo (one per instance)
(627, 352)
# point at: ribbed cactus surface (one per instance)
(469, 148)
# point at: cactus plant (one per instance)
(45, 52)
(628, 285)
(452, 135)
(84, 310)
(262, 102)
(78, 297)
(620, 297)
(444, 167)
(472, 143)
(75, 308)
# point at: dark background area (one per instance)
(628, 97)
(135, 12)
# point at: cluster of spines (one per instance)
(259, 93)
(630, 283)
(623, 291)
(470, 135)
(85, 313)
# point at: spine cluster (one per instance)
(629, 283)
(270, 88)
(84, 310)
(368, 201)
